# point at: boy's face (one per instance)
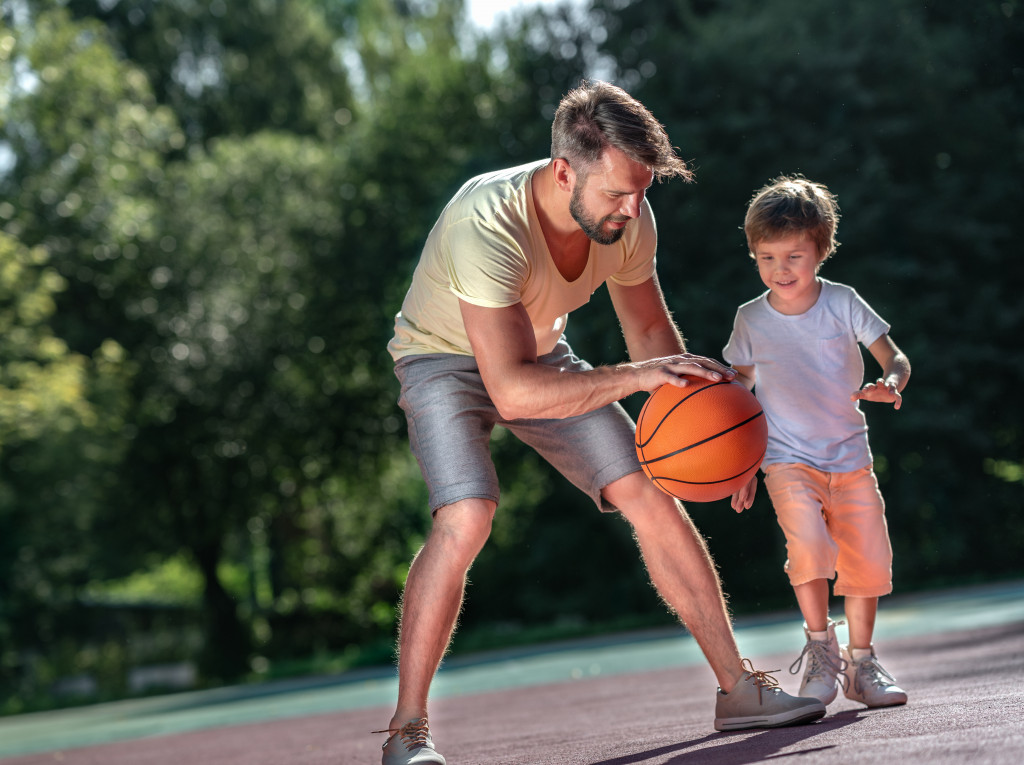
(789, 268)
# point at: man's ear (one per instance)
(563, 174)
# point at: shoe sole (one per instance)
(796, 717)
(881, 705)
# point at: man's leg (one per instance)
(681, 570)
(433, 598)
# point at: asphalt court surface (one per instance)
(642, 698)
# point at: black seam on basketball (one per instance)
(664, 417)
(703, 441)
(666, 479)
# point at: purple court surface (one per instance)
(635, 699)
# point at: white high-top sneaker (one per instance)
(824, 666)
(868, 682)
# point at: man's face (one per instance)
(609, 196)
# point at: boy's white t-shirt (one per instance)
(806, 367)
(487, 248)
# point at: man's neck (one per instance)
(568, 245)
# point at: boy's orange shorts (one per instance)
(835, 527)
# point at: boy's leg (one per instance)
(864, 573)
(812, 597)
(800, 496)
(860, 620)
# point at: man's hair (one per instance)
(791, 204)
(597, 115)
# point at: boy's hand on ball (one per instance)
(882, 391)
(744, 498)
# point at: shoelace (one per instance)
(414, 733)
(870, 671)
(820, 662)
(762, 679)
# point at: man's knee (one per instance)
(462, 528)
(636, 497)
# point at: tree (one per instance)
(229, 71)
(59, 411)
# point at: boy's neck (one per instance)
(796, 307)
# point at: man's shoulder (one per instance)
(495, 199)
(499, 184)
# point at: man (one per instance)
(479, 341)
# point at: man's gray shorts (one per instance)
(451, 417)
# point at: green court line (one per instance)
(972, 608)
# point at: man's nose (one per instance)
(631, 205)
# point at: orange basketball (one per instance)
(702, 442)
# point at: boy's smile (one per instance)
(789, 268)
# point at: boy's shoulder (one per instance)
(755, 304)
(836, 292)
(837, 287)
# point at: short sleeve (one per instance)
(485, 267)
(867, 325)
(738, 351)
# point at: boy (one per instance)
(797, 345)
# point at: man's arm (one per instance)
(505, 348)
(646, 322)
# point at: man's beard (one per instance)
(594, 229)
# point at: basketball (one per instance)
(703, 442)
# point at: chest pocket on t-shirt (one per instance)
(833, 352)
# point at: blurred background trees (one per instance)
(208, 219)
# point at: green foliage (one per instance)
(60, 414)
(224, 72)
(41, 382)
(208, 220)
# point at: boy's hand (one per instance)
(744, 498)
(883, 391)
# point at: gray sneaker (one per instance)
(411, 745)
(869, 683)
(824, 666)
(758, 702)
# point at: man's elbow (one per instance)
(511, 407)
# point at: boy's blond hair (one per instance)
(791, 204)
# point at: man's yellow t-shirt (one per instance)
(487, 248)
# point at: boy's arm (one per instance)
(744, 498)
(745, 375)
(895, 374)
